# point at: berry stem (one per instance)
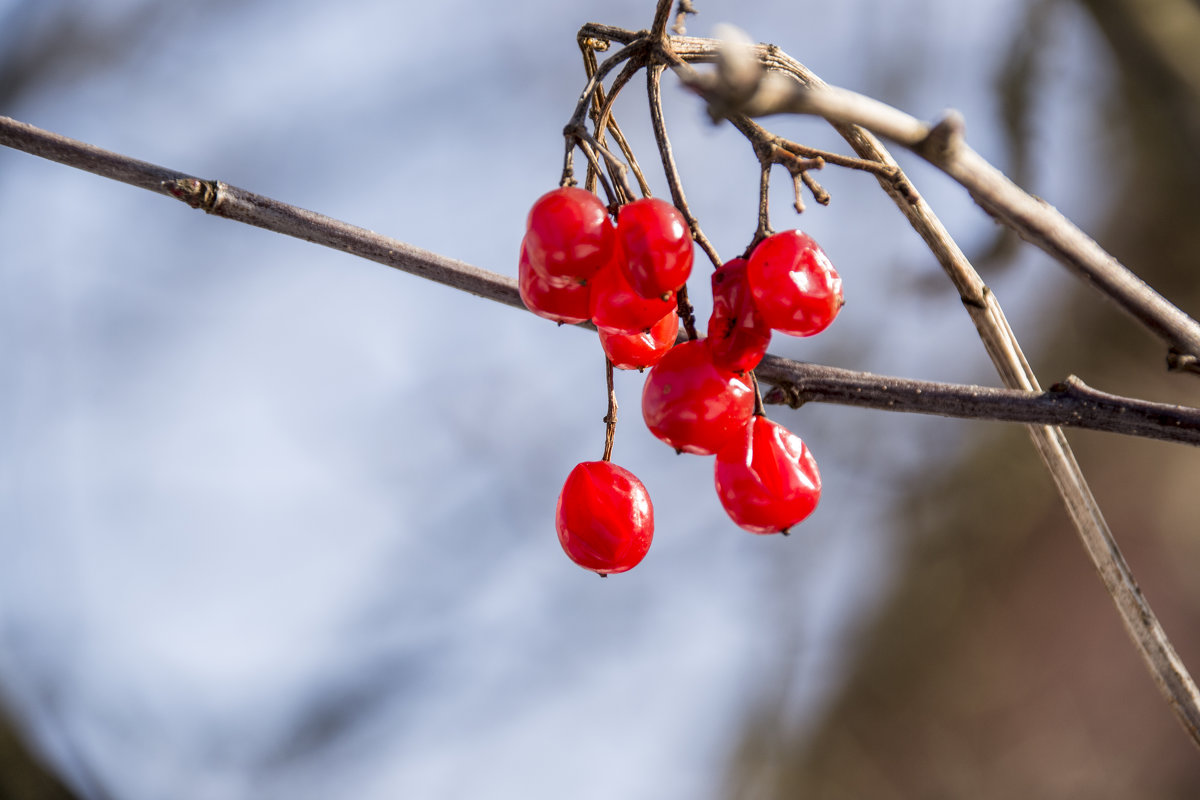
(610, 419)
(687, 314)
(764, 208)
(759, 409)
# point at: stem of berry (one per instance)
(610, 419)
(764, 208)
(759, 410)
(687, 314)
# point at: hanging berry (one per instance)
(737, 333)
(616, 306)
(657, 246)
(767, 478)
(569, 304)
(569, 235)
(641, 350)
(794, 285)
(692, 404)
(604, 518)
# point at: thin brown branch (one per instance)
(610, 418)
(662, 13)
(604, 121)
(1071, 403)
(222, 200)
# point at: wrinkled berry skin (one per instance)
(737, 333)
(569, 304)
(617, 307)
(767, 478)
(657, 245)
(604, 519)
(569, 235)
(692, 404)
(794, 285)
(641, 350)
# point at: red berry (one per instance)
(692, 404)
(737, 333)
(617, 307)
(569, 235)
(794, 286)
(766, 478)
(604, 519)
(641, 350)
(657, 246)
(569, 304)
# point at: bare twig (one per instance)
(1071, 403)
(223, 200)
(604, 121)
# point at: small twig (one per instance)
(604, 121)
(764, 207)
(683, 10)
(818, 191)
(759, 409)
(596, 81)
(687, 314)
(662, 13)
(596, 173)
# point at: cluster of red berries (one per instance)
(700, 396)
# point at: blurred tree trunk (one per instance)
(22, 777)
(998, 667)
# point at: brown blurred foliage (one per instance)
(997, 667)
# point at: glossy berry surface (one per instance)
(794, 285)
(568, 304)
(641, 350)
(737, 333)
(604, 518)
(692, 404)
(617, 307)
(657, 245)
(767, 478)
(569, 235)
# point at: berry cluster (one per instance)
(700, 396)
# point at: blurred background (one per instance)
(278, 523)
